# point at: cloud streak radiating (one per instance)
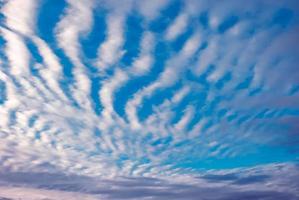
(173, 98)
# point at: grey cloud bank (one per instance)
(269, 182)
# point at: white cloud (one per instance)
(180, 94)
(107, 94)
(16, 52)
(110, 51)
(168, 77)
(77, 21)
(143, 63)
(53, 70)
(185, 119)
(207, 57)
(150, 8)
(177, 27)
(19, 15)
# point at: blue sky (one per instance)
(149, 89)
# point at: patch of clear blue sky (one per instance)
(133, 34)
(2, 92)
(263, 155)
(2, 83)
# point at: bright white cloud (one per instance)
(19, 15)
(110, 51)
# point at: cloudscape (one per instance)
(149, 100)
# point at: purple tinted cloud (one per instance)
(270, 182)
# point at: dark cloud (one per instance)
(217, 177)
(236, 179)
(252, 179)
(260, 195)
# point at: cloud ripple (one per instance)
(98, 90)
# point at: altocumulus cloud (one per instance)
(166, 99)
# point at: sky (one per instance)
(151, 99)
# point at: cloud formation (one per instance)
(268, 182)
(142, 92)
